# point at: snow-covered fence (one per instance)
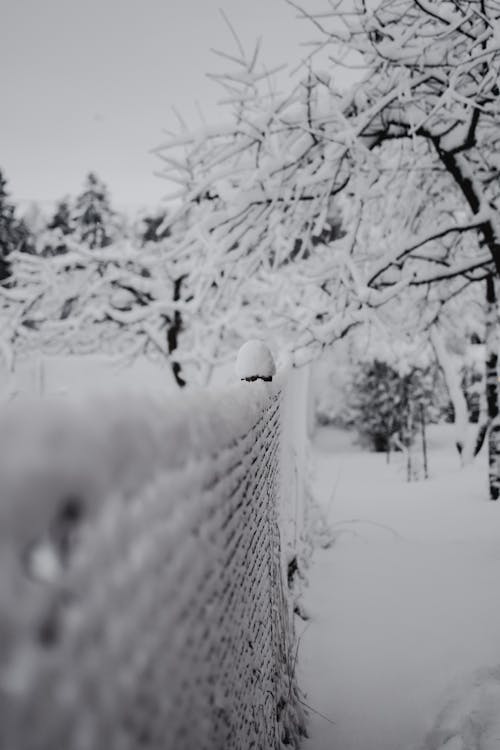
(142, 594)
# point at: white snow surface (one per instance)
(255, 361)
(403, 646)
(95, 443)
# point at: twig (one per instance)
(333, 493)
(235, 36)
(330, 721)
(371, 523)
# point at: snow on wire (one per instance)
(142, 595)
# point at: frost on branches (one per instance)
(409, 154)
(121, 300)
(265, 182)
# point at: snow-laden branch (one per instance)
(262, 187)
(400, 254)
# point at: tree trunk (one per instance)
(409, 430)
(173, 332)
(424, 441)
(409, 467)
(465, 445)
(492, 346)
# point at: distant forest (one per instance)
(87, 219)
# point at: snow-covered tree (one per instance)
(492, 352)
(265, 180)
(93, 217)
(59, 229)
(126, 300)
(388, 406)
(297, 150)
(154, 227)
(14, 234)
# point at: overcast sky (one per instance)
(89, 84)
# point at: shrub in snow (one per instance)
(386, 407)
(255, 361)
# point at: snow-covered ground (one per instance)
(66, 374)
(403, 604)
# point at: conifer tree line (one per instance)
(14, 233)
(87, 278)
(87, 220)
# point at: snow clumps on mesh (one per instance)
(255, 361)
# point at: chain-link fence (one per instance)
(142, 594)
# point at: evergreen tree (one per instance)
(93, 215)
(152, 228)
(61, 219)
(14, 234)
(386, 405)
(60, 226)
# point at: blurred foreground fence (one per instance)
(143, 599)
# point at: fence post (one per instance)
(255, 362)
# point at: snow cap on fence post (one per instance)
(255, 362)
